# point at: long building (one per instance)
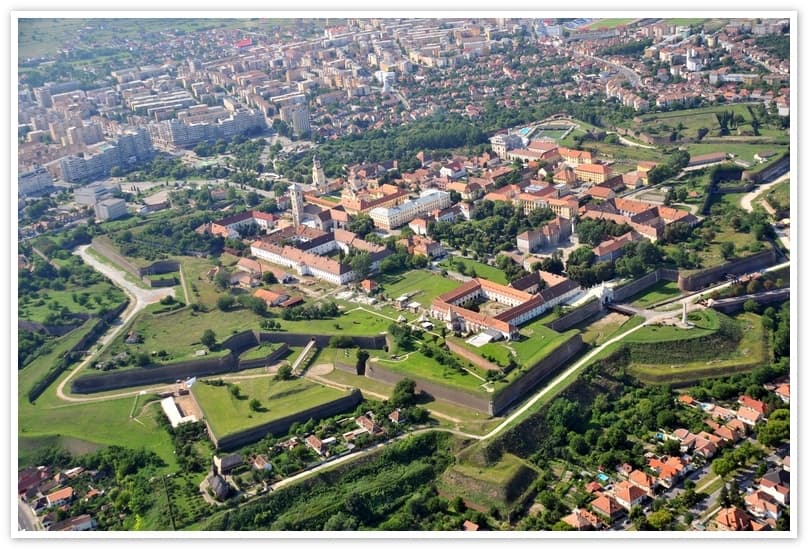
(396, 216)
(34, 181)
(524, 305)
(306, 253)
(126, 150)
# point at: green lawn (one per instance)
(537, 339)
(258, 352)
(418, 365)
(744, 151)
(178, 334)
(662, 290)
(426, 285)
(360, 382)
(227, 414)
(750, 352)
(483, 271)
(353, 322)
(101, 422)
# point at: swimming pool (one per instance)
(602, 478)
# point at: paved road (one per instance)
(26, 521)
(746, 200)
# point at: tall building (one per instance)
(318, 176)
(34, 181)
(297, 116)
(296, 196)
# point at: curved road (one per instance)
(746, 200)
(139, 298)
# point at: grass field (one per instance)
(617, 151)
(744, 151)
(483, 271)
(418, 365)
(537, 338)
(178, 334)
(661, 334)
(227, 414)
(424, 284)
(98, 296)
(609, 23)
(662, 290)
(100, 423)
(750, 352)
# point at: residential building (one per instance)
(628, 495)
(34, 181)
(733, 519)
(607, 506)
(581, 519)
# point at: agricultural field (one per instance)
(38, 37)
(227, 413)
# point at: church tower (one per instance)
(296, 196)
(318, 176)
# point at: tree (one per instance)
(659, 520)
(403, 393)
(255, 405)
(284, 373)
(751, 306)
(727, 250)
(360, 264)
(269, 278)
(723, 467)
(252, 198)
(208, 339)
(361, 359)
(225, 302)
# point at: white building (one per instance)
(429, 201)
(110, 208)
(34, 181)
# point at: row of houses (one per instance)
(663, 472)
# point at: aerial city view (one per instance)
(403, 274)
